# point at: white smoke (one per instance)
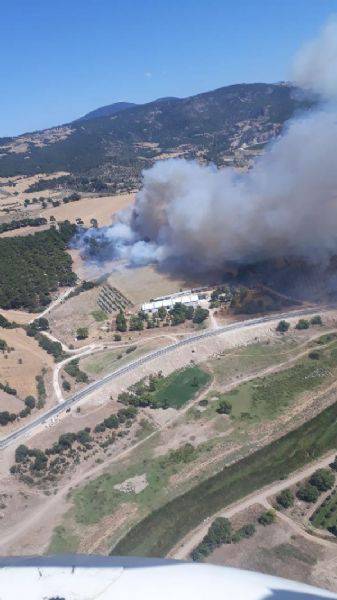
(198, 218)
(315, 65)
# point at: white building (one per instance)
(189, 299)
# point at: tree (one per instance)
(220, 532)
(121, 322)
(303, 324)
(83, 437)
(322, 479)
(41, 460)
(267, 518)
(82, 333)
(285, 498)
(30, 402)
(283, 326)
(308, 493)
(316, 320)
(117, 337)
(21, 453)
(66, 385)
(224, 407)
(200, 314)
(162, 312)
(41, 324)
(111, 422)
(136, 323)
(6, 417)
(314, 355)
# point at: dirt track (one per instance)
(186, 546)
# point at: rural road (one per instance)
(26, 430)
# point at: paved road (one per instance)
(24, 431)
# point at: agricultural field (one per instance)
(196, 442)
(89, 207)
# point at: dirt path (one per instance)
(186, 546)
(56, 504)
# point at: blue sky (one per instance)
(60, 59)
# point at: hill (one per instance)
(108, 110)
(227, 126)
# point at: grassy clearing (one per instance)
(100, 362)
(326, 514)
(63, 541)
(157, 533)
(180, 387)
(286, 552)
(251, 359)
(99, 497)
(103, 362)
(267, 397)
(99, 315)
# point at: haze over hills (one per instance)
(227, 126)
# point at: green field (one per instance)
(61, 539)
(103, 362)
(157, 533)
(267, 397)
(99, 315)
(99, 497)
(251, 359)
(326, 514)
(180, 387)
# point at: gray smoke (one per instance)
(199, 217)
(315, 65)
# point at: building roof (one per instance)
(170, 302)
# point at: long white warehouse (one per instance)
(188, 299)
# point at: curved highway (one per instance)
(75, 398)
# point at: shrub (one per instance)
(285, 498)
(316, 320)
(267, 518)
(283, 326)
(224, 407)
(117, 337)
(82, 333)
(314, 355)
(308, 493)
(66, 385)
(303, 324)
(322, 479)
(246, 531)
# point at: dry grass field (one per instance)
(143, 283)
(278, 550)
(22, 364)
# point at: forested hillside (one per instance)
(226, 126)
(32, 266)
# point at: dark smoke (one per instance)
(199, 218)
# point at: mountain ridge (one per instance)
(227, 126)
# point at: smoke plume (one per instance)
(199, 218)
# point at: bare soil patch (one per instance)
(133, 485)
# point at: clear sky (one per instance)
(63, 58)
